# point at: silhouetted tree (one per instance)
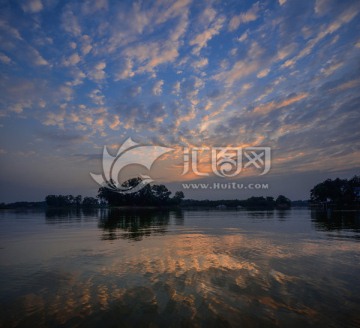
(282, 202)
(59, 200)
(338, 191)
(78, 200)
(70, 201)
(90, 202)
(259, 203)
(178, 197)
(156, 195)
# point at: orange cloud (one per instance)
(269, 107)
(346, 85)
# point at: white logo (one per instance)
(225, 162)
(228, 161)
(129, 153)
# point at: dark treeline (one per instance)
(337, 193)
(155, 195)
(24, 205)
(72, 201)
(269, 203)
(340, 193)
(300, 203)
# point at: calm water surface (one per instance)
(117, 268)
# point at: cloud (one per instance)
(55, 119)
(32, 6)
(200, 40)
(176, 88)
(271, 106)
(78, 77)
(138, 21)
(132, 28)
(176, 8)
(70, 22)
(66, 93)
(97, 73)
(31, 93)
(157, 88)
(93, 6)
(19, 106)
(330, 69)
(207, 16)
(86, 46)
(247, 86)
(243, 36)
(64, 137)
(114, 125)
(139, 116)
(163, 54)
(36, 57)
(184, 115)
(347, 85)
(239, 70)
(322, 6)
(5, 59)
(345, 17)
(201, 63)
(243, 18)
(133, 91)
(9, 30)
(190, 87)
(126, 70)
(97, 97)
(72, 60)
(285, 51)
(151, 54)
(263, 73)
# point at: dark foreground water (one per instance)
(179, 269)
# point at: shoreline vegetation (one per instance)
(337, 194)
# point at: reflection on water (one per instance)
(128, 268)
(283, 214)
(53, 214)
(133, 224)
(345, 223)
(261, 214)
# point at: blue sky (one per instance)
(78, 75)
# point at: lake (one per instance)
(186, 268)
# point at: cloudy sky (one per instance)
(79, 75)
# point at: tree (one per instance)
(70, 201)
(59, 200)
(78, 200)
(259, 202)
(51, 200)
(160, 193)
(90, 202)
(282, 202)
(178, 197)
(156, 195)
(338, 191)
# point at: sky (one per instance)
(80, 75)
